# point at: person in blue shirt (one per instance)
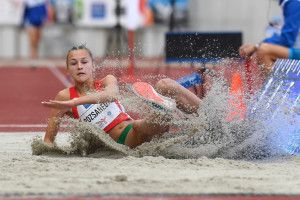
(283, 45)
(35, 15)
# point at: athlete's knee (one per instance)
(165, 85)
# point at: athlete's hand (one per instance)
(247, 50)
(61, 105)
(48, 143)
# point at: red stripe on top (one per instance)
(121, 117)
(74, 94)
(119, 105)
(98, 85)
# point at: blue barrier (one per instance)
(282, 88)
(279, 103)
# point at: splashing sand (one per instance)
(207, 134)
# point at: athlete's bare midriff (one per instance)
(116, 131)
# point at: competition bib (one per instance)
(101, 114)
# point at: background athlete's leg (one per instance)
(185, 99)
(34, 34)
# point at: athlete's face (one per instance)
(80, 65)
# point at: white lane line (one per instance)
(23, 125)
(60, 76)
(26, 125)
(22, 133)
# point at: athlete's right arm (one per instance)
(55, 116)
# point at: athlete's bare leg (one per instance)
(145, 129)
(157, 122)
(34, 35)
(185, 99)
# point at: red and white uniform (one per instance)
(105, 115)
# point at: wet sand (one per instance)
(107, 172)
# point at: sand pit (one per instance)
(112, 173)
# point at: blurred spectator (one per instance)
(274, 26)
(35, 15)
(171, 12)
(63, 10)
(286, 44)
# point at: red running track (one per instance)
(22, 90)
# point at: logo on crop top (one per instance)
(102, 121)
(86, 106)
(94, 114)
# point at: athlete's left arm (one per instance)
(108, 94)
(111, 89)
